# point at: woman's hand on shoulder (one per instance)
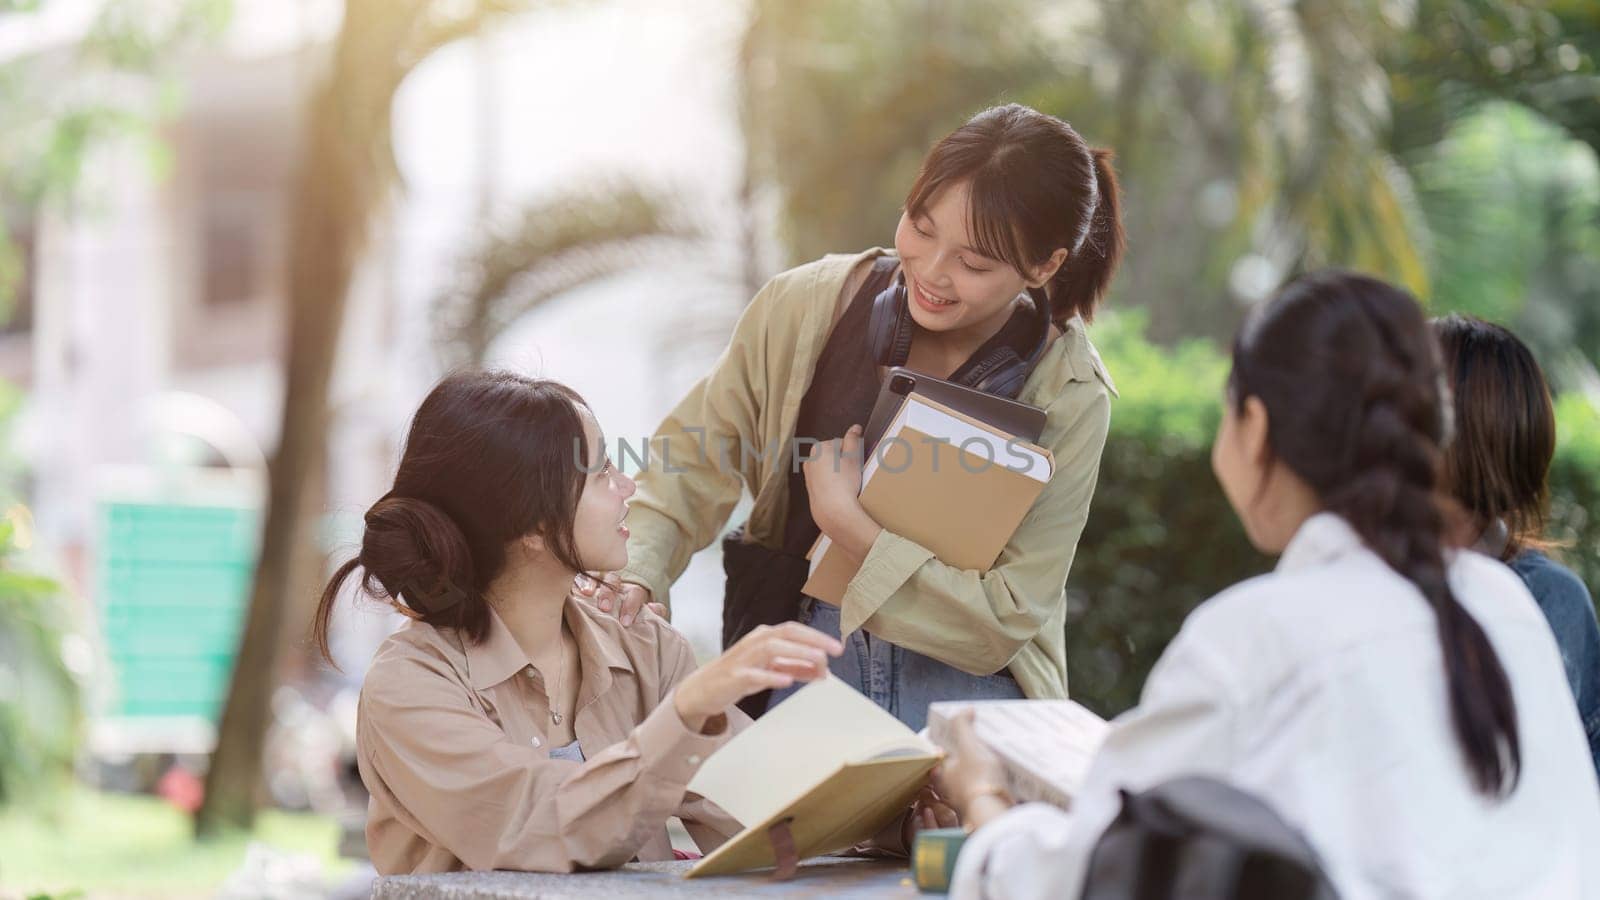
(613, 595)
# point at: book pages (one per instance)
(798, 743)
(1046, 746)
(982, 445)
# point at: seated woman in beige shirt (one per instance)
(508, 726)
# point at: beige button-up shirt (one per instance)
(451, 743)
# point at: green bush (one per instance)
(1161, 537)
(40, 700)
(1575, 488)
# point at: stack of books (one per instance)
(946, 479)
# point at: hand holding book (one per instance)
(972, 777)
(1044, 747)
(833, 482)
(939, 478)
(929, 811)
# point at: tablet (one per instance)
(1017, 419)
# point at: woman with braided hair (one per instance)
(1401, 704)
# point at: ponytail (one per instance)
(1082, 281)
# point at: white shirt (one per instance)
(1320, 689)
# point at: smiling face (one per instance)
(950, 285)
(598, 529)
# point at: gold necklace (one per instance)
(561, 665)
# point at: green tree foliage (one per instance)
(40, 701)
(57, 104)
(842, 98)
(1575, 488)
(1542, 54)
(1513, 203)
(1160, 537)
(1251, 137)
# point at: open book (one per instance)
(1046, 746)
(827, 761)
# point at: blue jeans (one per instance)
(899, 680)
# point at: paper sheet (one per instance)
(987, 447)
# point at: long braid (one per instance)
(1398, 448)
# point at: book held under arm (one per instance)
(945, 480)
(821, 772)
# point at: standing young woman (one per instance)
(1009, 238)
(1399, 703)
(509, 726)
(1495, 475)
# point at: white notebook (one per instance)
(1046, 746)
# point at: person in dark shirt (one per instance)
(1495, 473)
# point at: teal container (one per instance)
(933, 858)
(174, 584)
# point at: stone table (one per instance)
(825, 879)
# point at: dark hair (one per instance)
(1505, 429)
(1036, 187)
(491, 457)
(1350, 376)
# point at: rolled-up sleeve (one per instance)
(976, 620)
(707, 823)
(461, 783)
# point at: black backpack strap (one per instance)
(1202, 839)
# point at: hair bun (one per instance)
(417, 553)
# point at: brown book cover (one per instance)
(946, 481)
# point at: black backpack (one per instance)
(1198, 838)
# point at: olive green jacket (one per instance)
(980, 622)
